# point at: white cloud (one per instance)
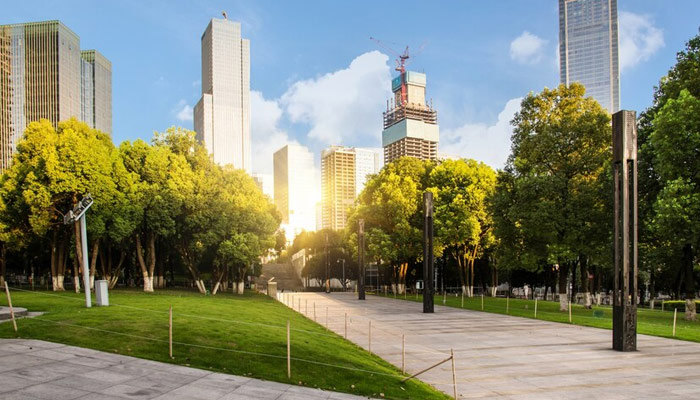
(527, 48)
(184, 112)
(266, 135)
(482, 142)
(342, 105)
(639, 39)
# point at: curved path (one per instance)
(505, 357)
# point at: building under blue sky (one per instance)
(318, 80)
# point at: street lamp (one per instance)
(343, 260)
(78, 213)
(328, 268)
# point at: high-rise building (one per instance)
(410, 124)
(293, 167)
(96, 90)
(344, 171)
(41, 76)
(368, 161)
(588, 48)
(265, 183)
(222, 115)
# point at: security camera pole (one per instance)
(78, 213)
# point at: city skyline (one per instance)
(477, 73)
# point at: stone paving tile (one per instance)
(500, 356)
(50, 391)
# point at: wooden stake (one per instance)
(535, 307)
(9, 303)
(444, 297)
(403, 354)
(462, 298)
(508, 304)
(314, 311)
(369, 337)
(570, 321)
(289, 354)
(306, 306)
(482, 302)
(326, 317)
(299, 306)
(170, 332)
(346, 325)
(662, 305)
(675, 312)
(454, 373)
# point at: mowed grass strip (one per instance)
(241, 335)
(649, 322)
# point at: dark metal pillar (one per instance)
(428, 261)
(361, 259)
(624, 127)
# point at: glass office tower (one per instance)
(588, 48)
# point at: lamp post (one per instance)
(361, 259)
(328, 268)
(343, 260)
(78, 213)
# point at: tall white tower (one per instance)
(222, 115)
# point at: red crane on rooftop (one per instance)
(401, 60)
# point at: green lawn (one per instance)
(649, 322)
(242, 335)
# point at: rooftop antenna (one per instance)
(224, 14)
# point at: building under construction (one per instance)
(410, 124)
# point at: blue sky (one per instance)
(317, 79)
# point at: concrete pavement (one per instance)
(505, 357)
(34, 369)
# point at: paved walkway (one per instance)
(33, 369)
(504, 357)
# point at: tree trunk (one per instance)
(240, 287)
(93, 262)
(563, 274)
(3, 263)
(147, 281)
(585, 281)
(690, 312)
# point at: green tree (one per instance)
(463, 222)
(561, 143)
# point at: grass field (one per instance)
(649, 322)
(242, 335)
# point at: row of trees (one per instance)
(549, 211)
(160, 204)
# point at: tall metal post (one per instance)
(428, 262)
(624, 127)
(328, 268)
(86, 266)
(361, 259)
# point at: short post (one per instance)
(289, 354)
(403, 354)
(482, 302)
(299, 305)
(306, 306)
(454, 373)
(662, 305)
(346, 325)
(444, 297)
(9, 303)
(369, 337)
(535, 307)
(314, 311)
(675, 312)
(326, 317)
(570, 320)
(462, 298)
(508, 304)
(170, 331)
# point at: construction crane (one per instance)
(401, 61)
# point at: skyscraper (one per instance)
(293, 167)
(344, 172)
(222, 115)
(410, 125)
(41, 76)
(588, 47)
(96, 90)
